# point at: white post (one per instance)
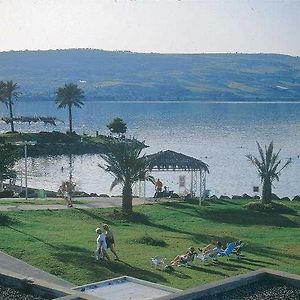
(21, 181)
(192, 179)
(25, 154)
(200, 198)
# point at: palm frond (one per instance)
(269, 163)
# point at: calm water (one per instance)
(220, 134)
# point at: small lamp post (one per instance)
(25, 144)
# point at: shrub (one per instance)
(4, 220)
(31, 194)
(285, 199)
(296, 198)
(246, 196)
(148, 240)
(270, 207)
(275, 197)
(6, 194)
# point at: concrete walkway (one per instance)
(91, 202)
(15, 265)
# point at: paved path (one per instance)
(15, 265)
(91, 202)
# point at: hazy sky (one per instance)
(188, 26)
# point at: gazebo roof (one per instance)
(171, 160)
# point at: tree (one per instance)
(117, 126)
(9, 154)
(268, 168)
(67, 96)
(124, 162)
(8, 91)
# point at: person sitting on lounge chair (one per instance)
(210, 252)
(185, 258)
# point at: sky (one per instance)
(165, 26)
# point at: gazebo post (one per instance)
(140, 188)
(192, 182)
(200, 187)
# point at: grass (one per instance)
(62, 242)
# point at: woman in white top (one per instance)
(101, 251)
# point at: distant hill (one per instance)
(106, 75)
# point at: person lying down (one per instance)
(184, 258)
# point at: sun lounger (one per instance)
(229, 250)
(238, 250)
(158, 262)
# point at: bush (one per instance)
(4, 220)
(6, 194)
(296, 198)
(31, 194)
(285, 199)
(148, 240)
(93, 195)
(271, 207)
(246, 196)
(275, 197)
(104, 195)
(51, 194)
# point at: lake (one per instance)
(220, 134)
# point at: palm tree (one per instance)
(67, 96)
(268, 169)
(8, 91)
(124, 163)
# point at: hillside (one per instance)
(106, 75)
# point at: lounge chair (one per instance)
(188, 260)
(229, 250)
(238, 249)
(158, 261)
(210, 255)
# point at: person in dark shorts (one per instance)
(110, 240)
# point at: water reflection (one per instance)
(220, 134)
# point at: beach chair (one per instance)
(158, 262)
(238, 250)
(229, 250)
(209, 256)
(188, 260)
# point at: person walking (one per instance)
(101, 251)
(110, 240)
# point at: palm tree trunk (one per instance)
(267, 192)
(70, 119)
(127, 198)
(11, 115)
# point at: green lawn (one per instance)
(62, 242)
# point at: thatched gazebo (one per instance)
(171, 161)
